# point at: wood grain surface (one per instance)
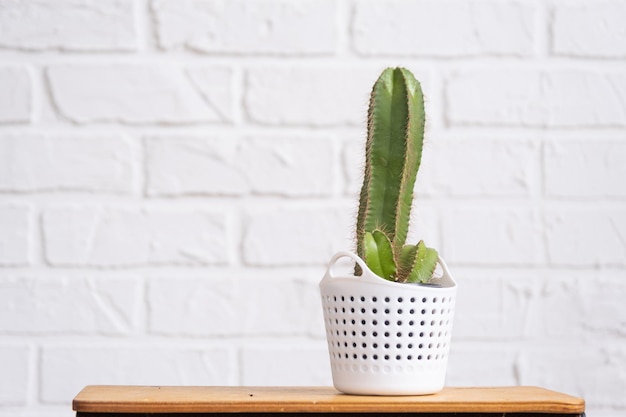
(155, 399)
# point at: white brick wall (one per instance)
(140, 94)
(589, 30)
(442, 29)
(32, 162)
(175, 174)
(254, 165)
(144, 364)
(280, 27)
(16, 239)
(16, 98)
(63, 25)
(531, 98)
(326, 96)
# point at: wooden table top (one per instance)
(143, 399)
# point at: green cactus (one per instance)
(395, 137)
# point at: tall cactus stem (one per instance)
(393, 154)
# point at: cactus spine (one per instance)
(395, 137)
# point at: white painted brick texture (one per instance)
(295, 236)
(135, 365)
(174, 176)
(44, 305)
(464, 168)
(15, 95)
(560, 99)
(270, 165)
(66, 162)
(66, 25)
(508, 236)
(15, 364)
(402, 27)
(16, 240)
(102, 236)
(585, 169)
(588, 30)
(198, 308)
(588, 237)
(140, 94)
(279, 27)
(286, 365)
(308, 96)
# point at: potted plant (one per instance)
(388, 325)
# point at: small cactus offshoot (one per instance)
(395, 138)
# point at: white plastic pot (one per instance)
(387, 338)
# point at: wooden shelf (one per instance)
(214, 400)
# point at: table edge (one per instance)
(567, 404)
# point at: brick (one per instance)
(138, 94)
(221, 307)
(217, 86)
(481, 367)
(194, 307)
(498, 236)
(15, 94)
(284, 237)
(69, 162)
(479, 168)
(303, 96)
(591, 306)
(111, 237)
(188, 165)
(284, 365)
(586, 237)
(90, 25)
(16, 236)
(14, 378)
(188, 238)
(352, 166)
(95, 236)
(295, 310)
(239, 27)
(589, 29)
(564, 99)
(53, 305)
(180, 165)
(406, 28)
(298, 166)
(592, 169)
(492, 305)
(556, 301)
(138, 365)
(590, 371)
(602, 300)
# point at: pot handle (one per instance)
(343, 254)
(445, 280)
(367, 274)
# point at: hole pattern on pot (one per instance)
(388, 330)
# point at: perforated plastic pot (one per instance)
(387, 338)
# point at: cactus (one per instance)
(395, 137)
